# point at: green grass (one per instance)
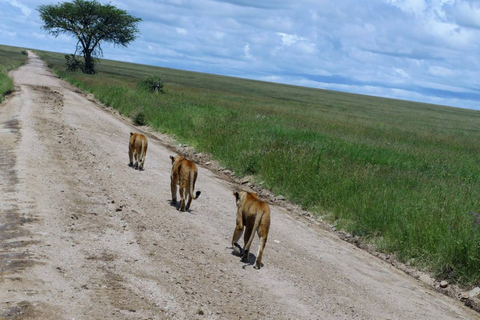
(10, 58)
(403, 175)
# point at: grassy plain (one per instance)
(10, 58)
(403, 175)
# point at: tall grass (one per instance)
(10, 58)
(403, 175)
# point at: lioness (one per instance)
(254, 214)
(184, 173)
(138, 147)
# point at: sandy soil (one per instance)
(84, 236)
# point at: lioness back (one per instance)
(184, 173)
(137, 148)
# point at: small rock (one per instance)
(426, 279)
(443, 284)
(474, 292)
(280, 197)
(200, 312)
(207, 163)
(245, 180)
(464, 296)
(276, 241)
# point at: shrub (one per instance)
(139, 119)
(25, 52)
(152, 84)
(73, 64)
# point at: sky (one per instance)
(419, 50)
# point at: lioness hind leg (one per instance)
(140, 162)
(261, 246)
(135, 154)
(130, 156)
(236, 236)
(246, 237)
(173, 187)
(144, 155)
(182, 198)
(189, 196)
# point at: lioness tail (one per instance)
(192, 186)
(142, 154)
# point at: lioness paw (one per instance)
(237, 248)
(245, 256)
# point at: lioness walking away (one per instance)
(138, 148)
(254, 215)
(184, 173)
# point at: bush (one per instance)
(25, 52)
(152, 84)
(139, 119)
(73, 64)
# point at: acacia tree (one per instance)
(91, 23)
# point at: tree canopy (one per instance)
(91, 23)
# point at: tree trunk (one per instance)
(89, 63)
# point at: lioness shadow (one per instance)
(250, 260)
(177, 206)
(131, 165)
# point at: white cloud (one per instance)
(401, 73)
(306, 48)
(246, 51)
(289, 39)
(181, 31)
(26, 11)
(466, 13)
(416, 7)
(439, 71)
(219, 35)
(39, 35)
(9, 34)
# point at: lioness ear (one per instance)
(236, 195)
(173, 158)
(131, 134)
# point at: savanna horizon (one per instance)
(402, 175)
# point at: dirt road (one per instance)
(84, 236)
